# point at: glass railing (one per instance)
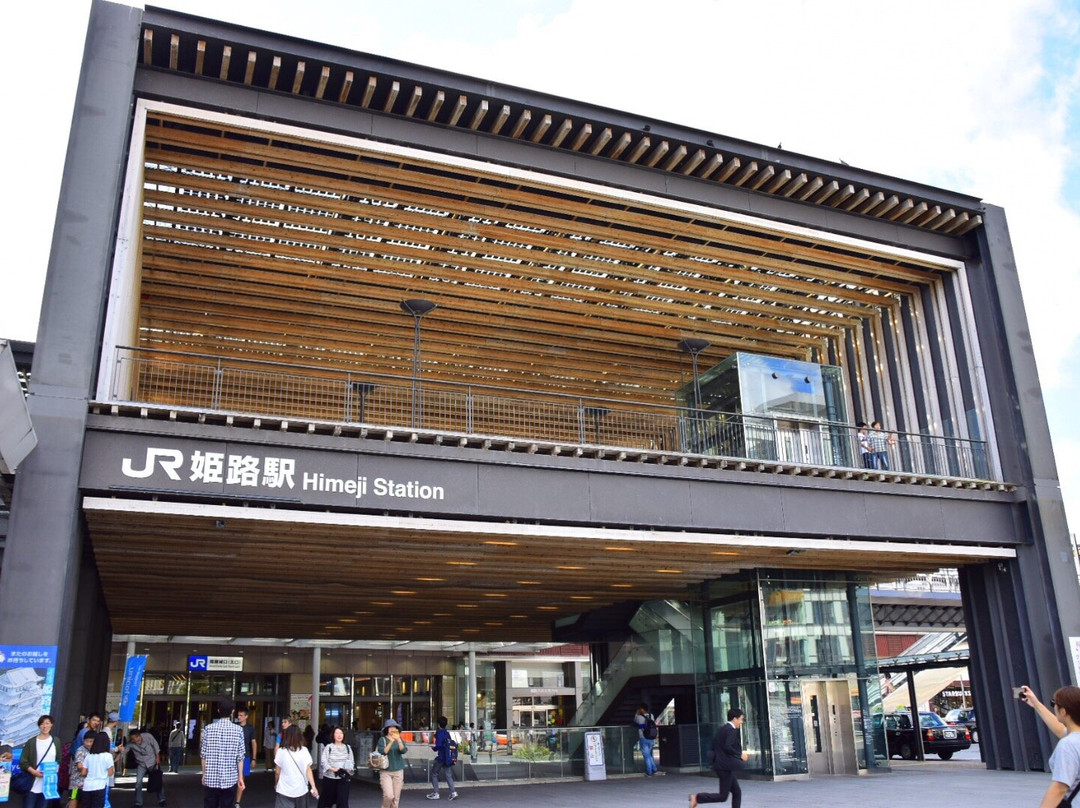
(249, 387)
(519, 753)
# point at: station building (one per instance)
(396, 380)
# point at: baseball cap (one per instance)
(113, 716)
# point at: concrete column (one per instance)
(470, 707)
(46, 539)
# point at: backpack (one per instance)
(448, 755)
(649, 731)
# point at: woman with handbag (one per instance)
(392, 778)
(96, 769)
(40, 749)
(293, 779)
(336, 764)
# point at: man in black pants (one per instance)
(728, 758)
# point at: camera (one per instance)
(1018, 693)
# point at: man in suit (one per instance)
(728, 758)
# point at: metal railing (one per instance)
(291, 391)
(519, 753)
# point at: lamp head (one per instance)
(693, 345)
(417, 307)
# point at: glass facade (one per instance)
(770, 408)
(795, 651)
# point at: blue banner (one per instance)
(133, 675)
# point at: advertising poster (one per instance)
(27, 676)
(1074, 646)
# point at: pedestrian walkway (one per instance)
(908, 784)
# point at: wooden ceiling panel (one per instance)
(299, 252)
(243, 576)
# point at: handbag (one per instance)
(377, 761)
(22, 782)
(154, 780)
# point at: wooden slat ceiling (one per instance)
(255, 578)
(392, 94)
(291, 250)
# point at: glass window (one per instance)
(335, 686)
(788, 728)
(770, 385)
(153, 684)
(734, 641)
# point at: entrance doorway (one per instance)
(800, 442)
(830, 735)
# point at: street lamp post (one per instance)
(694, 346)
(417, 308)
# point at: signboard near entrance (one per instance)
(203, 663)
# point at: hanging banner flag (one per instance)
(129, 693)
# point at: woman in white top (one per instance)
(42, 749)
(97, 769)
(1064, 722)
(292, 771)
(336, 764)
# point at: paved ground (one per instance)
(956, 782)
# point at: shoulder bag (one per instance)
(22, 782)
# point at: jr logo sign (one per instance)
(170, 461)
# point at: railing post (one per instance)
(348, 397)
(215, 395)
(468, 409)
(581, 421)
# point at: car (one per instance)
(939, 738)
(964, 717)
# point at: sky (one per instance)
(981, 98)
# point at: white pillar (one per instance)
(316, 675)
(470, 712)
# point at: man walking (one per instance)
(177, 742)
(146, 750)
(444, 761)
(646, 727)
(251, 747)
(221, 753)
(728, 759)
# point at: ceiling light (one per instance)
(494, 594)
(529, 583)
(570, 567)
(382, 603)
(622, 586)
(502, 543)
(669, 572)
(461, 563)
(581, 597)
(431, 580)
(621, 549)
(467, 606)
(402, 592)
(548, 608)
(724, 553)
